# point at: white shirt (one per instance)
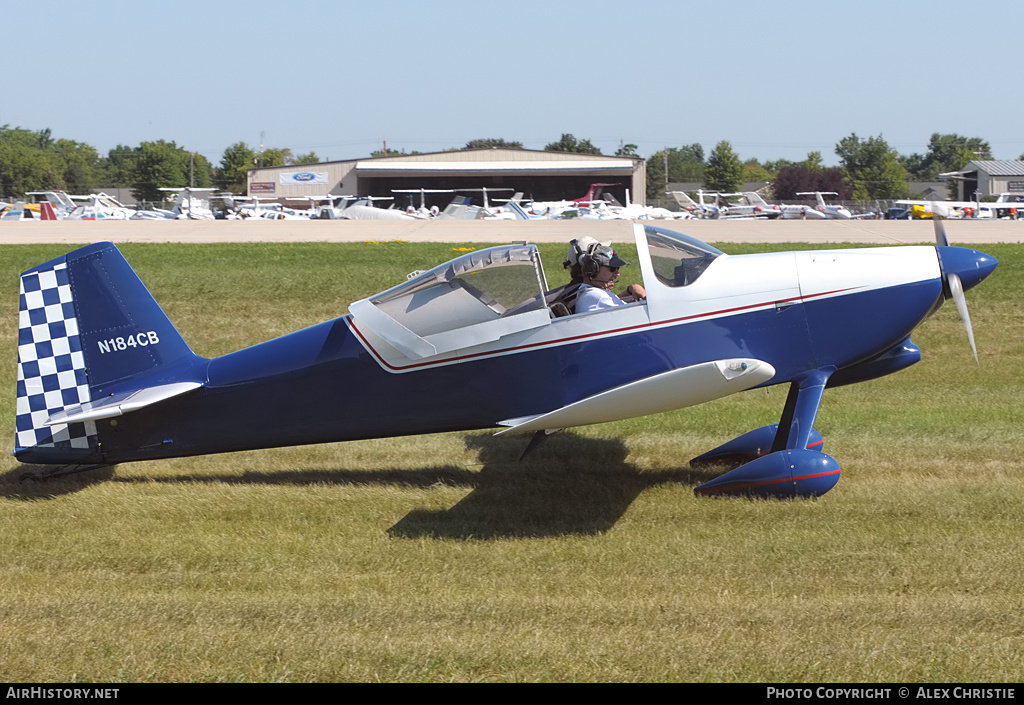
(590, 298)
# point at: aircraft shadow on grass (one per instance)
(571, 485)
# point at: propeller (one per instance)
(954, 285)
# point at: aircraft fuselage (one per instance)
(335, 381)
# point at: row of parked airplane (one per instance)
(190, 204)
(750, 204)
(596, 204)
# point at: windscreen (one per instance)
(678, 259)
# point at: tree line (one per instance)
(869, 168)
(35, 161)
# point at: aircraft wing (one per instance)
(764, 215)
(120, 404)
(670, 390)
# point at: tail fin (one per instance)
(15, 211)
(46, 211)
(88, 329)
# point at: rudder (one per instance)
(51, 367)
(88, 329)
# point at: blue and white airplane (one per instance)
(477, 342)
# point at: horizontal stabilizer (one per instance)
(119, 404)
(670, 390)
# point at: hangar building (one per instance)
(541, 175)
(988, 178)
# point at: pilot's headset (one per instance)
(579, 248)
(597, 255)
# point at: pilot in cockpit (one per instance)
(599, 270)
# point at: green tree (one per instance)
(813, 161)
(23, 137)
(26, 169)
(119, 166)
(83, 170)
(44, 139)
(724, 170)
(684, 164)
(626, 150)
(776, 165)
(949, 152)
(274, 156)
(796, 178)
(161, 164)
(200, 171)
(309, 158)
(754, 171)
(28, 162)
(873, 168)
(235, 162)
(489, 142)
(568, 143)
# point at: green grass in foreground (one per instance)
(441, 558)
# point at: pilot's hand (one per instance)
(636, 292)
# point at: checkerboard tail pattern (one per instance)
(51, 367)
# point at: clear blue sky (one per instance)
(777, 80)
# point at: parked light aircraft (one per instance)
(270, 208)
(484, 191)
(720, 208)
(350, 207)
(43, 210)
(191, 203)
(16, 211)
(57, 206)
(1007, 205)
(61, 206)
(835, 212)
(697, 210)
(104, 377)
(785, 211)
(748, 205)
(463, 208)
(100, 206)
(609, 208)
(422, 211)
(559, 209)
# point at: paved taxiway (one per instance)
(887, 232)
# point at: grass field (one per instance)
(441, 558)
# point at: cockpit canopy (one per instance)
(470, 300)
(491, 293)
(500, 277)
